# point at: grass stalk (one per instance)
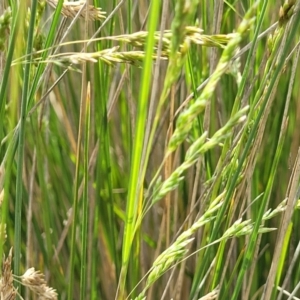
(85, 199)
(253, 237)
(133, 192)
(76, 194)
(21, 141)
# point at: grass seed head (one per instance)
(35, 281)
(7, 290)
(70, 10)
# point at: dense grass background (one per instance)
(158, 160)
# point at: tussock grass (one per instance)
(149, 151)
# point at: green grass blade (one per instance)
(20, 158)
(133, 189)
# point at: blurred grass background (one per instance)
(85, 147)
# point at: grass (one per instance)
(149, 150)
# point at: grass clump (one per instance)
(149, 152)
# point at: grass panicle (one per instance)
(5, 24)
(70, 9)
(32, 279)
(185, 120)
